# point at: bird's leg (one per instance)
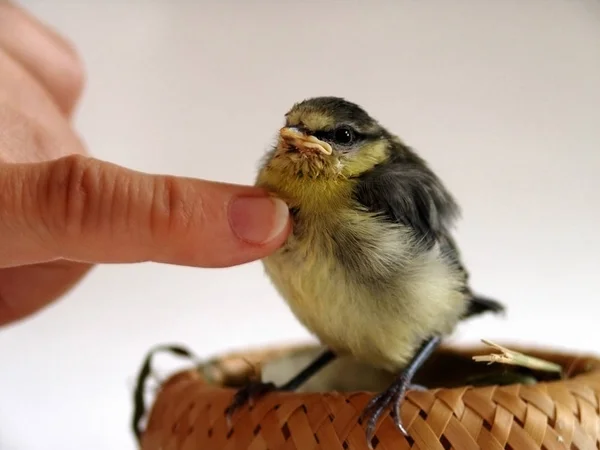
(394, 395)
(256, 389)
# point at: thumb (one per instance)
(83, 209)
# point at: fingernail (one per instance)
(258, 219)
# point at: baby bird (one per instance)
(370, 267)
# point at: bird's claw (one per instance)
(248, 394)
(390, 398)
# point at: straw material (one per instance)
(188, 413)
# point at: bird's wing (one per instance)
(409, 193)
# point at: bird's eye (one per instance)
(344, 136)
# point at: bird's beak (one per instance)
(304, 142)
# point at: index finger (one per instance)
(86, 210)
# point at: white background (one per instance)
(502, 98)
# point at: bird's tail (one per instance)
(479, 305)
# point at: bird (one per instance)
(370, 267)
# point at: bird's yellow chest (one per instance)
(323, 292)
(306, 271)
(316, 288)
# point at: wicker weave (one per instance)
(188, 413)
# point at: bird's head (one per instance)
(327, 138)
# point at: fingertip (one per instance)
(282, 217)
(225, 224)
(261, 221)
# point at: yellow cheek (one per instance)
(368, 157)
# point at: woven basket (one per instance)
(188, 412)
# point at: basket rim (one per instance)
(216, 370)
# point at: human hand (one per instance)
(62, 211)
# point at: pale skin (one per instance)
(62, 211)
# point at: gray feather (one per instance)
(404, 190)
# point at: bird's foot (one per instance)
(392, 398)
(247, 395)
(255, 389)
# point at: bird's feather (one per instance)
(405, 191)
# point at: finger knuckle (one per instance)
(72, 195)
(175, 209)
